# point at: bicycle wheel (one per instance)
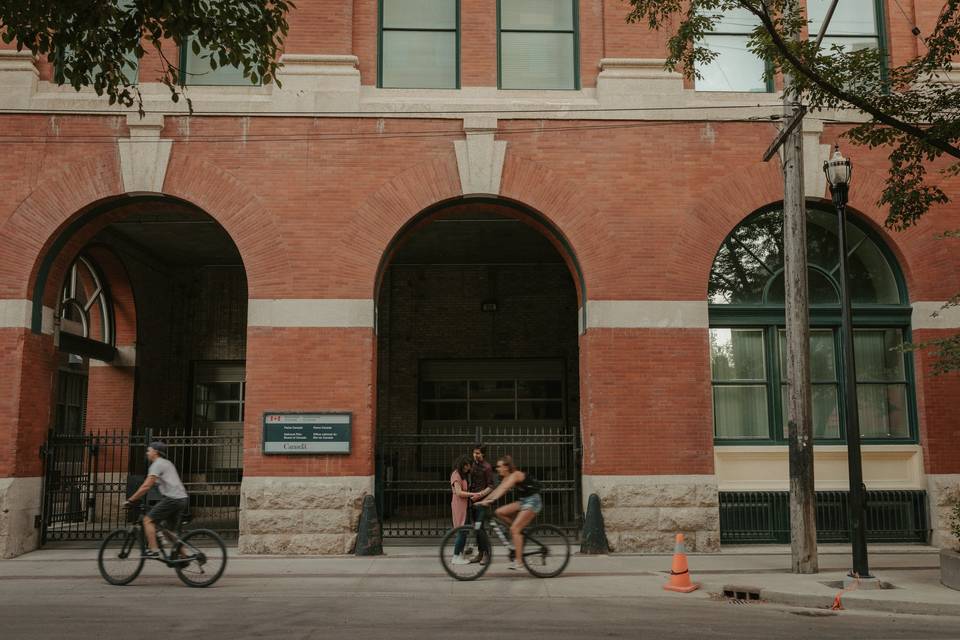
(120, 558)
(204, 557)
(472, 567)
(546, 551)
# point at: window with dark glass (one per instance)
(538, 44)
(503, 399)
(748, 341)
(419, 44)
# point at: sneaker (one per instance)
(459, 559)
(150, 553)
(515, 566)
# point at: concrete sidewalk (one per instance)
(912, 571)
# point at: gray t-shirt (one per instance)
(168, 480)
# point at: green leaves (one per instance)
(91, 43)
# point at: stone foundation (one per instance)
(301, 516)
(644, 513)
(944, 493)
(19, 506)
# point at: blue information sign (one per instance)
(297, 433)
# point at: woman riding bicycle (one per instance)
(517, 515)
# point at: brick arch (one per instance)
(717, 208)
(383, 214)
(559, 211)
(66, 210)
(726, 201)
(242, 214)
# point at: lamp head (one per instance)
(838, 169)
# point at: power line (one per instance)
(354, 136)
(435, 112)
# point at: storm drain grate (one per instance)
(741, 595)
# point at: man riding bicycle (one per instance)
(517, 515)
(174, 500)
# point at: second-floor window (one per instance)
(734, 68)
(538, 44)
(419, 44)
(853, 25)
(197, 70)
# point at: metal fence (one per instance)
(750, 517)
(413, 473)
(87, 478)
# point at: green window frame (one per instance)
(509, 33)
(846, 29)
(406, 32)
(195, 70)
(884, 375)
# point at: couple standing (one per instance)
(471, 482)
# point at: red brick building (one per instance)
(456, 220)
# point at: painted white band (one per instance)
(924, 318)
(311, 313)
(17, 314)
(647, 314)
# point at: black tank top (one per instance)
(529, 486)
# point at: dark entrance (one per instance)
(151, 325)
(477, 343)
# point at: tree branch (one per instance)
(836, 92)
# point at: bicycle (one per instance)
(546, 550)
(199, 557)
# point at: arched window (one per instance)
(85, 306)
(748, 340)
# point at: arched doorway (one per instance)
(149, 328)
(477, 337)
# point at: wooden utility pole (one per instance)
(803, 524)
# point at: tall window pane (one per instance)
(881, 384)
(419, 44)
(537, 44)
(852, 27)
(735, 68)
(738, 360)
(825, 415)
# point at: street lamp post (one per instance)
(839, 170)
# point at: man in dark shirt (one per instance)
(481, 474)
(481, 483)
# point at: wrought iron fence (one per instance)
(87, 478)
(749, 517)
(413, 473)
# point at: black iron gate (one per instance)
(413, 473)
(88, 476)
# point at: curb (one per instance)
(859, 602)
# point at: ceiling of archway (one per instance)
(468, 235)
(174, 235)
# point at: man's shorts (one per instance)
(532, 503)
(169, 510)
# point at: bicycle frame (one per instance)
(500, 529)
(138, 532)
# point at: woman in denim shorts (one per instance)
(517, 515)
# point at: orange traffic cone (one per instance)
(679, 574)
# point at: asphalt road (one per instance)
(395, 607)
